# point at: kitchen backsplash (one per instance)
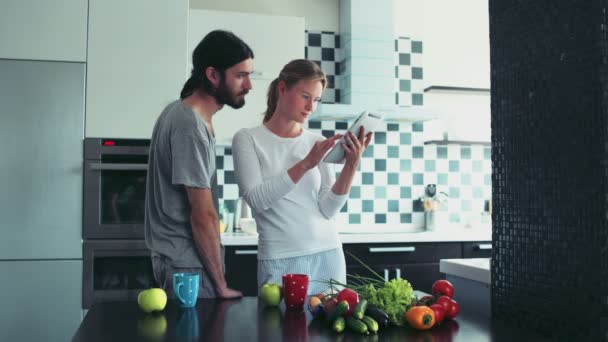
(397, 165)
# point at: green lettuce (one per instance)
(394, 297)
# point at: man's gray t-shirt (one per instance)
(182, 154)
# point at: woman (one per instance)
(292, 192)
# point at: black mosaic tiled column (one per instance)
(550, 165)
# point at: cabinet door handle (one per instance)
(484, 246)
(392, 249)
(118, 166)
(246, 252)
(398, 273)
(386, 275)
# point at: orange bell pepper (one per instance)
(420, 317)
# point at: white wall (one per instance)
(319, 15)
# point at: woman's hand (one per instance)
(318, 151)
(355, 146)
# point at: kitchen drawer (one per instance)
(242, 268)
(402, 253)
(479, 249)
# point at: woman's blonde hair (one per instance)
(293, 72)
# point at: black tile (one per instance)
(305, 52)
(330, 81)
(229, 177)
(418, 206)
(337, 41)
(404, 59)
(341, 125)
(314, 124)
(219, 162)
(314, 39)
(228, 151)
(328, 133)
(392, 127)
(328, 54)
(380, 218)
(337, 94)
(380, 138)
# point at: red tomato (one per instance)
(454, 309)
(426, 301)
(439, 312)
(446, 302)
(351, 297)
(443, 288)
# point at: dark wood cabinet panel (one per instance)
(241, 269)
(478, 249)
(402, 253)
(416, 262)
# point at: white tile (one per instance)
(404, 45)
(380, 206)
(453, 179)
(442, 165)
(231, 191)
(380, 151)
(417, 60)
(430, 152)
(393, 165)
(329, 68)
(418, 165)
(354, 205)
(328, 40)
(466, 166)
(314, 53)
(405, 151)
(380, 178)
(405, 178)
(405, 205)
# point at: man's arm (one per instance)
(206, 234)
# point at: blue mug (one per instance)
(185, 286)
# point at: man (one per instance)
(181, 219)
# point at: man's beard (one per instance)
(223, 95)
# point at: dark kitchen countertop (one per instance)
(249, 320)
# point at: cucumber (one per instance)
(339, 311)
(356, 325)
(339, 325)
(372, 325)
(360, 309)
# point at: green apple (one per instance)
(153, 325)
(154, 299)
(271, 294)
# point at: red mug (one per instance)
(295, 290)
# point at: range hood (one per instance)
(367, 79)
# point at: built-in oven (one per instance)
(115, 270)
(114, 188)
(116, 261)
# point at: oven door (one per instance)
(114, 189)
(115, 270)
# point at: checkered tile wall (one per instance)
(324, 48)
(408, 72)
(397, 166)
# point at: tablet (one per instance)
(368, 120)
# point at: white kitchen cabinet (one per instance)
(136, 64)
(456, 43)
(43, 30)
(275, 40)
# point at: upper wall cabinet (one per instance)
(275, 40)
(456, 43)
(43, 30)
(136, 64)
